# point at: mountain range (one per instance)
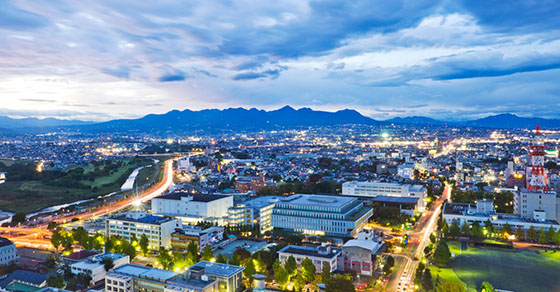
(214, 120)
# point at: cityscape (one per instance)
(306, 146)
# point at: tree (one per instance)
(207, 253)
(465, 228)
(531, 233)
(326, 272)
(542, 236)
(551, 235)
(242, 254)
(56, 281)
(308, 270)
(56, 239)
(487, 287)
(427, 282)
(19, 217)
(299, 282)
(442, 253)
(107, 263)
(451, 286)
(389, 263)
(220, 258)
(519, 234)
(507, 229)
(419, 273)
(281, 276)
(249, 269)
(454, 230)
(164, 258)
(291, 266)
(50, 262)
(476, 231)
(81, 235)
(144, 243)
(339, 284)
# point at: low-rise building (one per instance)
(8, 252)
(321, 215)
(360, 255)
(192, 207)
(372, 189)
(95, 268)
(158, 229)
(181, 238)
(318, 255)
(407, 205)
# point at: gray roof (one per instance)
(317, 200)
(218, 269)
(24, 277)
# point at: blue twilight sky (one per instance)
(451, 60)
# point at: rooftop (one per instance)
(218, 269)
(5, 242)
(145, 272)
(309, 251)
(317, 200)
(149, 219)
(392, 199)
(195, 197)
(22, 276)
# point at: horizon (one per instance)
(446, 60)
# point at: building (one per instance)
(257, 211)
(360, 255)
(8, 252)
(531, 205)
(372, 189)
(483, 211)
(201, 277)
(245, 184)
(229, 277)
(158, 229)
(181, 238)
(321, 215)
(407, 205)
(192, 207)
(95, 268)
(320, 256)
(21, 280)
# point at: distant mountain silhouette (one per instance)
(11, 123)
(511, 121)
(232, 118)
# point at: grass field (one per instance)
(8, 162)
(446, 274)
(516, 270)
(33, 195)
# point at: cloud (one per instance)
(38, 100)
(271, 73)
(14, 18)
(121, 71)
(171, 77)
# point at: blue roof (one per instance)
(392, 199)
(24, 277)
(218, 269)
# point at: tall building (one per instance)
(192, 207)
(158, 229)
(257, 211)
(321, 215)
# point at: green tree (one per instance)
(427, 281)
(56, 239)
(531, 233)
(107, 263)
(507, 229)
(542, 236)
(551, 235)
(465, 228)
(476, 230)
(326, 272)
(235, 260)
(220, 258)
(299, 282)
(207, 253)
(444, 227)
(389, 263)
(308, 270)
(281, 276)
(519, 233)
(144, 243)
(249, 269)
(164, 258)
(450, 286)
(19, 217)
(291, 266)
(339, 284)
(56, 281)
(81, 235)
(455, 230)
(487, 287)
(51, 262)
(442, 253)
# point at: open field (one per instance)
(35, 194)
(508, 269)
(7, 162)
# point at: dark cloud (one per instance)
(172, 77)
(272, 73)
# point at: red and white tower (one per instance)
(537, 183)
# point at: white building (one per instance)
(373, 189)
(8, 252)
(360, 255)
(484, 210)
(528, 205)
(321, 215)
(318, 255)
(405, 170)
(158, 229)
(94, 267)
(253, 212)
(192, 207)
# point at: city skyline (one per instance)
(441, 59)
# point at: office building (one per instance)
(94, 266)
(257, 211)
(371, 189)
(158, 229)
(320, 215)
(229, 277)
(318, 255)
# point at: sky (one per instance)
(449, 60)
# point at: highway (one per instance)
(403, 278)
(35, 236)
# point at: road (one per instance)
(420, 238)
(35, 236)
